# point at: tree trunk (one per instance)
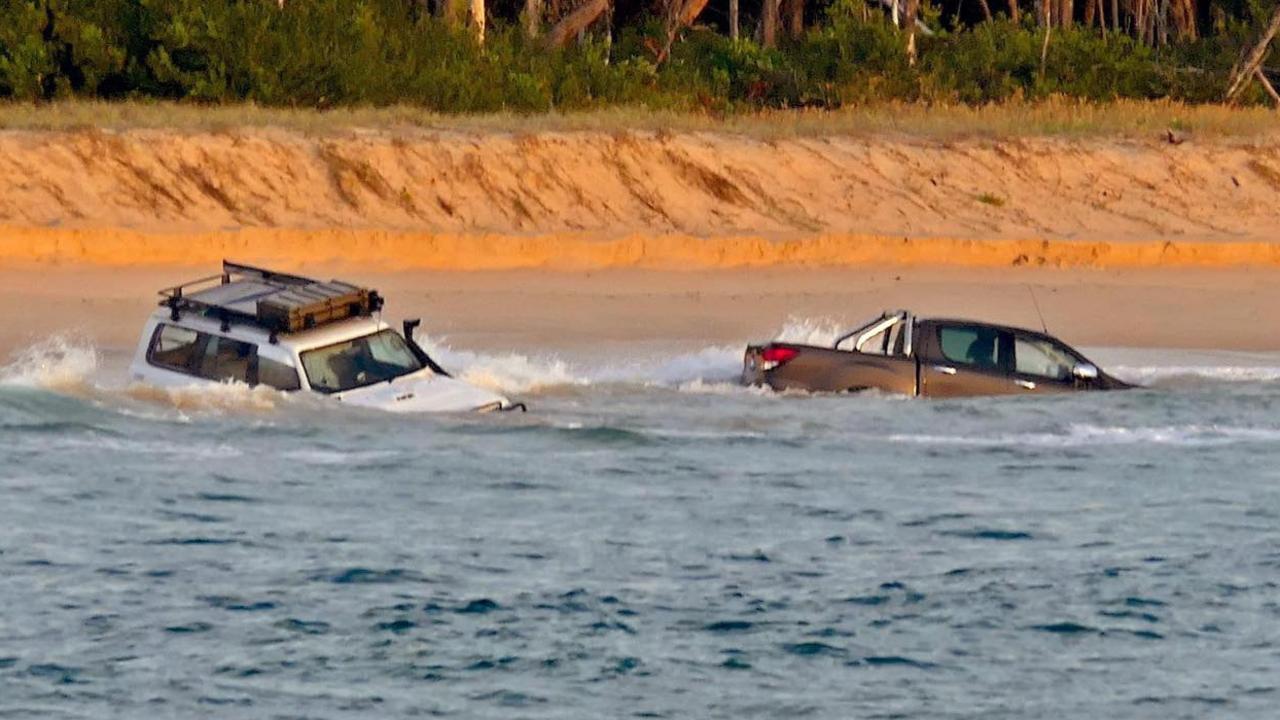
(733, 19)
(911, 10)
(680, 14)
(532, 17)
(795, 18)
(1184, 19)
(1013, 10)
(1253, 61)
(986, 9)
(1066, 13)
(478, 19)
(453, 12)
(1266, 85)
(563, 32)
(769, 23)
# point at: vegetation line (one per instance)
(713, 57)
(1052, 117)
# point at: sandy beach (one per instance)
(619, 312)
(572, 242)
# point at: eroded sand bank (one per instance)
(449, 199)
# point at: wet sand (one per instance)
(618, 312)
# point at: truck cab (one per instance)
(900, 353)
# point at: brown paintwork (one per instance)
(926, 370)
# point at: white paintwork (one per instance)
(421, 391)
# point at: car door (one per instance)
(1042, 364)
(962, 360)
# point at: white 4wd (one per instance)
(259, 327)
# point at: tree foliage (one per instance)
(320, 53)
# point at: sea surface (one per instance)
(650, 540)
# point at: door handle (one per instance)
(945, 369)
(1025, 384)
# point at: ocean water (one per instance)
(649, 541)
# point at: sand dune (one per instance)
(590, 199)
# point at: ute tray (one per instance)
(277, 302)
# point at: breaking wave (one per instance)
(1094, 435)
(60, 363)
(222, 397)
(1174, 374)
(714, 368)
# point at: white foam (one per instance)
(811, 331)
(1094, 435)
(693, 370)
(507, 372)
(56, 363)
(210, 397)
(1146, 375)
(319, 456)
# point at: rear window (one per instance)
(214, 357)
(174, 347)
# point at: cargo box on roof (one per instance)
(303, 307)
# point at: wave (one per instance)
(711, 368)
(1160, 375)
(71, 365)
(1079, 435)
(821, 331)
(60, 362)
(219, 397)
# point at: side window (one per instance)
(277, 375)
(1042, 358)
(897, 338)
(889, 339)
(175, 347)
(226, 359)
(980, 347)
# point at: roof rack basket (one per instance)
(277, 302)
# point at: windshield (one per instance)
(358, 362)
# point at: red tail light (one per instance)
(773, 356)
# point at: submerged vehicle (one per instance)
(900, 353)
(260, 327)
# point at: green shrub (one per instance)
(26, 60)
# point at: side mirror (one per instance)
(1085, 371)
(409, 326)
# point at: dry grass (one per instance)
(1054, 117)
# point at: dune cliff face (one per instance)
(597, 199)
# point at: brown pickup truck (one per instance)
(900, 353)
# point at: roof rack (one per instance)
(277, 302)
